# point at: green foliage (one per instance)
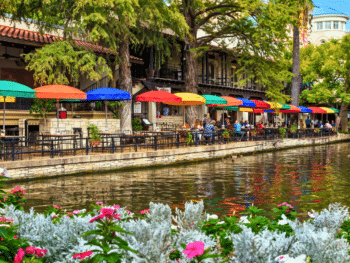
(136, 124)
(293, 129)
(41, 107)
(189, 138)
(115, 107)
(63, 62)
(226, 133)
(282, 131)
(94, 131)
(327, 66)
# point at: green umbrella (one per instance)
(285, 107)
(14, 89)
(336, 111)
(229, 108)
(212, 99)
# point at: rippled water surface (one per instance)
(308, 178)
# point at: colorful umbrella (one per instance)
(230, 102)
(261, 104)
(317, 110)
(328, 110)
(212, 99)
(158, 96)
(285, 107)
(188, 99)
(293, 109)
(274, 105)
(104, 94)
(14, 89)
(246, 103)
(228, 108)
(304, 109)
(335, 110)
(59, 92)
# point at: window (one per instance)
(323, 41)
(335, 25)
(319, 25)
(328, 25)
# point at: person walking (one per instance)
(308, 122)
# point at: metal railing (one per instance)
(18, 148)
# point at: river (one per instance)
(308, 178)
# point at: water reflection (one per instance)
(308, 178)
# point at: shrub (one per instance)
(136, 124)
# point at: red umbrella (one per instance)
(59, 92)
(261, 104)
(317, 110)
(293, 109)
(158, 96)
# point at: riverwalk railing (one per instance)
(17, 148)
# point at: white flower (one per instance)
(173, 227)
(212, 216)
(283, 221)
(221, 222)
(4, 173)
(1, 225)
(287, 259)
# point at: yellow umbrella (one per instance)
(274, 105)
(188, 99)
(328, 110)
(8, 99)
(246, 110)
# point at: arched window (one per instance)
(323, 41)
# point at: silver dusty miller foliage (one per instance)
(153, 239)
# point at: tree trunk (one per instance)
(296, 67)
(343, 116)
(113, 81)
(125, 82)
(191, 83)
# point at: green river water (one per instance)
(308, 178)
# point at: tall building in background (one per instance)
(326, 24)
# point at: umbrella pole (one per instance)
(58, 123)
(184, 117)
(72, 109)
(106, 114)
(3, 124)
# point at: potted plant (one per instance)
(317, 130)
(95, 139)
(293, 129)
(183, 134)
(282, 131)
(136, 124)
(254, 133)
(226, 134)
(189, 138)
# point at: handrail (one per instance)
(99, 84)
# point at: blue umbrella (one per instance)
(246, 103)
(304, 109)
(104, 94)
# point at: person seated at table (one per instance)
(308, 122)
(259, 127)
(227, 121)
(198, 128)
(327, 125)
(333, 123)
(237, 127)
(320, 125)
(208, 131)
(246, 125)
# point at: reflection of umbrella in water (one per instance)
(59, 92)
(14, 89)
(104, 94)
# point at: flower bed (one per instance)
(114, 234)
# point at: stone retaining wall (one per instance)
(84, 163)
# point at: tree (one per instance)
(109, 23)
(302, 23)
(41, 107)
(253, 33)
(328, 67)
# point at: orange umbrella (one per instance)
(230, 102)
(59, 92)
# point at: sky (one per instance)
(334, 6)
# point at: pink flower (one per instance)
(99, 203)
(311, 215)
(129, 213)
(116, 216)
(18, 191)
(281, 257)
(15, 237)
(3, 219)
(57, 207)
(107, 211)
(318, 201)
(30, 250)
(82, 255)
(40, 252)
(288, 210)
(97, 218)
(116, 207)
(19, 256)
(194, 249)
(75, 212)
(144, 211)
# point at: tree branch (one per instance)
(213, 8)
